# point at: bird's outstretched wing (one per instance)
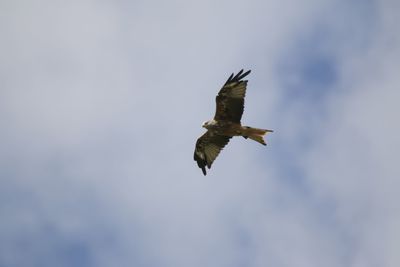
(207, 149)
(230, 99)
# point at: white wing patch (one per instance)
(212, 151)
(237, 90)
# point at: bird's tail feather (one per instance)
(255, 134)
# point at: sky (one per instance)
(101, 103)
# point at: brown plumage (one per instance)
(226, 122)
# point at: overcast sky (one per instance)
(101, 103)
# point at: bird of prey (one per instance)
(226, 122)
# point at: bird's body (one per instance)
(222, 127)
(226, 122)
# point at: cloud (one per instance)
(351, 161)
(101, 104)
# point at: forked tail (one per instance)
(255, 134)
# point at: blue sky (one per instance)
(101, 104)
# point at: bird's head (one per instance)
(208, 124)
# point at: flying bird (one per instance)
(226, 122)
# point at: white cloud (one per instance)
(96, 169)
(353, 161)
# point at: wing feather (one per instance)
(230, 99)
(208, 147)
